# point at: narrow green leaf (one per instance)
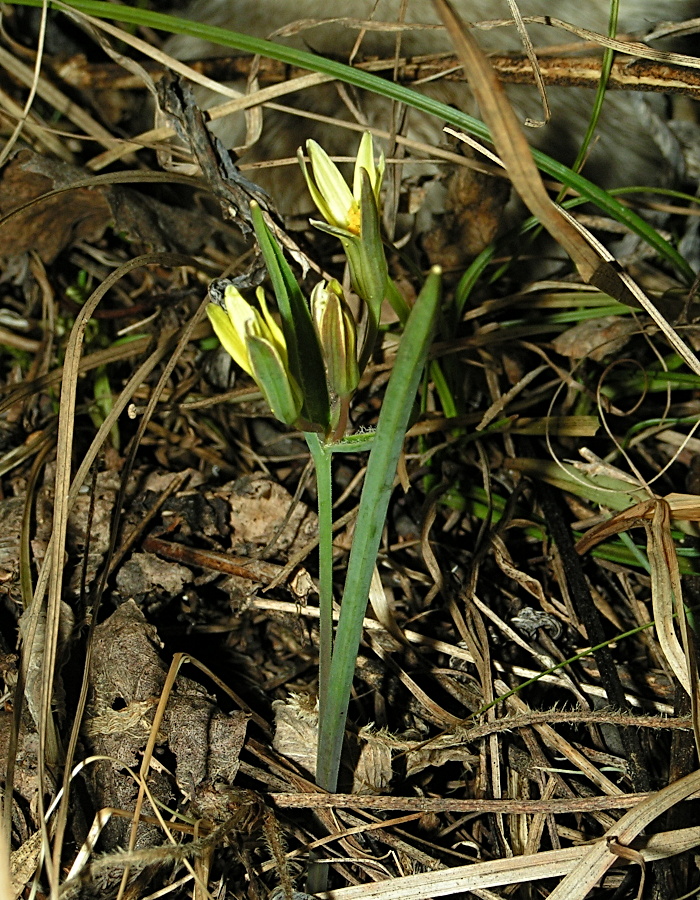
(600, 488)
(305, 359)
(376, 493)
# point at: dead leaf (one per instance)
(260, 508)
(595, 339)
(11, 512)
(145, 573)
(24, 861)
(473, 216)
(83, 213)
(372, 773)
(58, 222)
(127, 677)
(296, 731)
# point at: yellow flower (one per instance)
(256, 343)
(338, 205)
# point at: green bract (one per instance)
(303, 349)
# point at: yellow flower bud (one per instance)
(337, 334)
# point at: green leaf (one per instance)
(601, 488)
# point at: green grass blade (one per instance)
(379, 480)
(386, 88)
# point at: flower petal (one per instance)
(231, 340)
(336, 199)
(274, 332)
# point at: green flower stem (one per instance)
(321, 455)
(376, 493)
(605, 70)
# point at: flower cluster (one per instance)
(318, 341)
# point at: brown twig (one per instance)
(440, 804)
(628, 73)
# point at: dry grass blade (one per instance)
(532, 58)
(57, 99)
(643, 51)
(596, 861)
(667, 602)
(563, 747)
(485, 875)
(682, 508)
(12, 140)
(666, 593)
(102, 435)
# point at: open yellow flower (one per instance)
(353, 216)
(339, 205)
(256, 343)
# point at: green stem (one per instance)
(321, 455)
(605, 69)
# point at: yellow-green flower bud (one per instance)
(337, 334)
